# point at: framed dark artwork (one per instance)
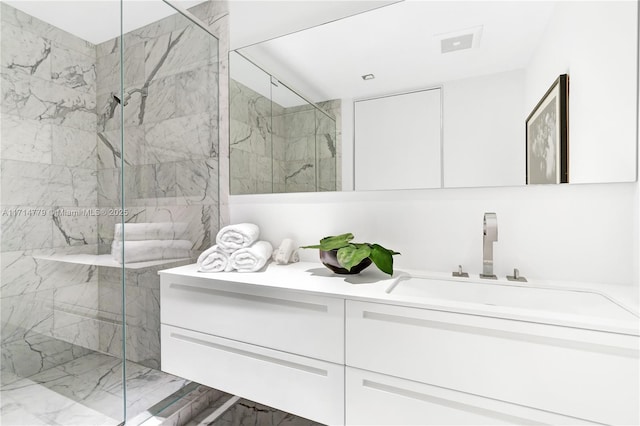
(547, 150)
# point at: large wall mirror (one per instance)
(491, 63)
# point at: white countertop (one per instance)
(371, 285)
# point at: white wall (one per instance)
(483, 132)
(397, 141)
(563, 232)
(636, 206)
(484, 143)
(598, 54)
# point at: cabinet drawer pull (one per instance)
(261, 299)
(447, 403)
(502, 334)
(265, 358)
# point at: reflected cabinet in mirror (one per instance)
(437, 94)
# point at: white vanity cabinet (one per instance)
(379, 399)
(343, 352)
(446, 368)
(278, 348)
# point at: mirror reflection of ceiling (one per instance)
(98, 21)
(328, 62)
(250, 75)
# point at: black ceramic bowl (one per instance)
(330, 260)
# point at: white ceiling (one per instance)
(393, 40)
(97, 21)
(399, 43)
(254, 21)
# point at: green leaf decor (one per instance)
(351, 254)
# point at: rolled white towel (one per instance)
(213, 260)
(234, 237)
(142, 251)
(150, 231)
(251, 259)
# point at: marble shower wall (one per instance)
(170, 156)
(330, 154)
(276, 149)
(48, 183)
(310, 147)
(256, 150)
(170, 129)
(60, 154)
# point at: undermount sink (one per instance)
(553, 300)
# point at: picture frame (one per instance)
(547, 136)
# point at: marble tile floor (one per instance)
(248, 413)
(86, 391)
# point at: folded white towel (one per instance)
(234, 237)
(142, 251)
(251, 259)
(151, 231)
(214, 260)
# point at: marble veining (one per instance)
(73, 69)
(83, 391)
(172, 41)
(73, 147)
(37, 99)
(108, 151)
(108, 68)
(160, 101)
(71, 232)
(330, 144)
(62, 152)
(298, 171)
(182, 138)
(163, 58)
(35, 138)
(25, 232)
(197, 182)
(17, 18)
(27, 53)
(197, 90)
(246, 413)
(276, 149)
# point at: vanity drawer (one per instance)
(306, 387)
(559, 369)
(297, 323)
(377, 399)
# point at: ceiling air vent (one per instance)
(459, 40)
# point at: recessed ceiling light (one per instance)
(368, 77)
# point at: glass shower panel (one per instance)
(168, 167)
(55, 370)
(81, 153)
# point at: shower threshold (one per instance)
(88, 391)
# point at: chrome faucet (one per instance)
(489, 236)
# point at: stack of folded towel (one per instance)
(237, 249)
(150, 241)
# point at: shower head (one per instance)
(117, 99)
